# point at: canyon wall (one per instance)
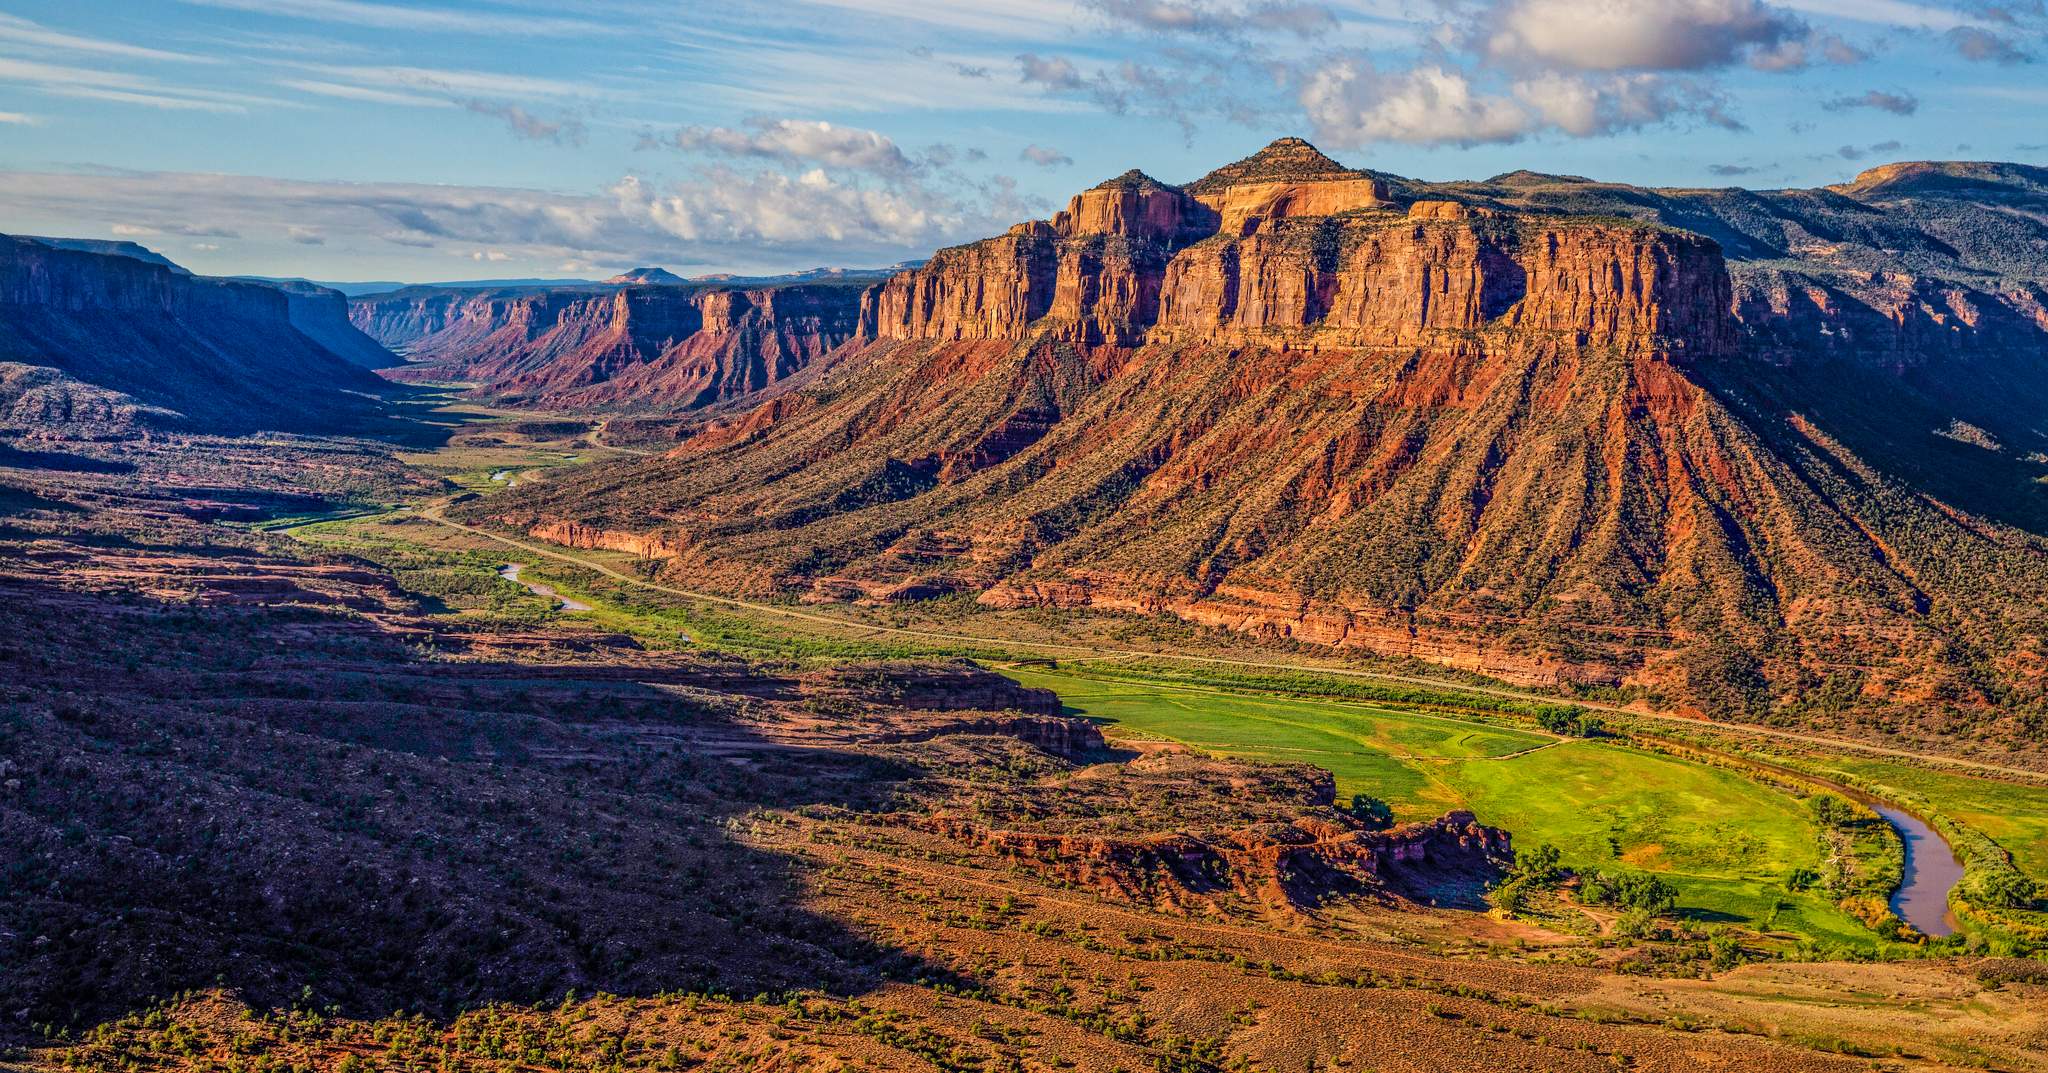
(121, 339)
(634, 347)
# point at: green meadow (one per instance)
(1725, 842)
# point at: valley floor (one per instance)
(284, 752)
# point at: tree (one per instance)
(1371, 811)
(1538, 868)
(1833, 811)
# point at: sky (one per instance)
(460, 139)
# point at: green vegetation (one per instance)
(1998, 829)
(1724, 842)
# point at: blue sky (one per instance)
(365, 139)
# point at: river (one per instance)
(510, 572)
(1931, 872)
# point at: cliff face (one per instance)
(1506, 426)
(635, 347)
(119, 339)
(322, 315)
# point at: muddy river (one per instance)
(510, 572)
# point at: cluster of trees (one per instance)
(1374, 813)
(1628, 890)
(1575, 722)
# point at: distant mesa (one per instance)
(659, 276)
(111, 247)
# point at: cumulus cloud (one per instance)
(1729, 171)
(1639, 35)
(1900, 103)
(1858, 152)
(1044, 156)
(725, 206)
(1051, 72)
(1983, 46)
(1350, 104)
(799, 141)
(725, 216)
(524, 124)
(1499, 71)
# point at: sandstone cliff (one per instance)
(638, 347)
(118, 339)
(1538, 427)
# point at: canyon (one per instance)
(646, 344)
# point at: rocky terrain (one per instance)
(93, 338)
(254, 799)
(1764, 455)
(647, 345)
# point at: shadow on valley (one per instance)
(276, 801)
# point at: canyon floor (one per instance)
(292, 778)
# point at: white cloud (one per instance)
(725, 217)
(1887, 13)
(97, 84)
(1350, 103)
(1625, 35)
(15, 30)
(364, 93)
(799, 141)
(454, 82)
(20, 119)
(1045, 157)
(414, 17)
(725, 206)
(567, 130)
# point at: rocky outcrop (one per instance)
(132, 340)
(1287, 248)
(1297, 865)
(941, 687)
(640, 347)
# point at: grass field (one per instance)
(1726, 842)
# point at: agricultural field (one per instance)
(1725, 842)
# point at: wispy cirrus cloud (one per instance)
(567, 130)
(1899, 103)
(96, 83)
(798, 141)
(370, 94)
(19, 32)
(504, 22)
